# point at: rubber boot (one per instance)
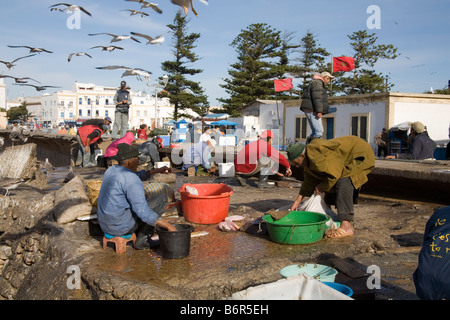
(262, 182)
(241, 180)
(144, 234)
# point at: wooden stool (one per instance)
(119, 242)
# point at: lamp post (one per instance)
(165, 80)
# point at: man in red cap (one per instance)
(260, 157)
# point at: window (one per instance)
(97, 113)
(106, 101)
(80, 101)
(80, 113)
(138, 113)
(106, 113)
(89, 113)
(71, 115)
(328, 127)
(62, 104)
(300, 128)
(145, 113)
(360, 125)
(61, 115)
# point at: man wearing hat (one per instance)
(315, 103)
(260, 157)
(421, 147)
(122, 207)
(122, 100)
(338, 167)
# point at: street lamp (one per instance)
(165, 80)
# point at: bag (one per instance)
(316, 203)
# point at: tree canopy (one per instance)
(184, 93)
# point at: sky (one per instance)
(419, 29)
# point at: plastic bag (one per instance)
(316, 203)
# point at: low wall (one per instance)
(58, 149)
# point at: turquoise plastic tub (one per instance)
(320, 272)
(340, 287)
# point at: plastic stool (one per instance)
(119, 242)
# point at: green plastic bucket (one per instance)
(297, 227)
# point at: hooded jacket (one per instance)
(327, 161)
(315, 98)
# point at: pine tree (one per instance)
(364, 78)
(182, 92)
(251, 77)
(311, 60)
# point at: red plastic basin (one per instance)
(210, 206)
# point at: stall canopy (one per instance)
(404, 126)
(224, 123)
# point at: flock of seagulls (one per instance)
(139, 73)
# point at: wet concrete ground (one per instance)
(388, 235)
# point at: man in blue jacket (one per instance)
(432, 276)
(421, 147)
(122, 207)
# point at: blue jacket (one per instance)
(121, 202)
(432, 276)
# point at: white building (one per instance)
(87, 100)
(2, 94)
(361, 115)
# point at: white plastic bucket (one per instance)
(226, 170)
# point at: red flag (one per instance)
(283, 84)
(343, 64)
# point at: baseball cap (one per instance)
(108, 119)
(326, 74)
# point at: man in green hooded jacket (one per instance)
(338, 167)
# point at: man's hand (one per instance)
(296, 203)
(319, 115)
(288, 172)
(165, 169)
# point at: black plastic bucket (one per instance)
(175, 244)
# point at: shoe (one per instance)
(262, 182)
(144, 237)
(89, 165)
(241, 180)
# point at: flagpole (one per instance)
(331, 82)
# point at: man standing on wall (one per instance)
(315, 103)
(122, 100)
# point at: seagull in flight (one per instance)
(69, 8)
(11, 64)
(187, 4)
(135, 12)
(108, 48)
(38, 88)
(19, 80)
(32, 50)
(157, 40)
(78, 54)
(146, 4)
(130, 72)
(115, 37)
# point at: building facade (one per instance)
(87, 100)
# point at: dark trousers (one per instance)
(344, 198)
(157, 203)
